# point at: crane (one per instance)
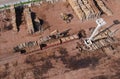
(100, 22)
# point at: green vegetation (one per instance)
(20, 3)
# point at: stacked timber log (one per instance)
(46, 40)
(84, 8)
(13, 17)
(92, 13)
(103, 7)
(102, 43)
(74, 4)
(97, 12)
(89, 9)
(28, 19)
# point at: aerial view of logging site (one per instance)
(59, 39)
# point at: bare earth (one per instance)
(63, 61)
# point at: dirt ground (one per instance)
(62, 61)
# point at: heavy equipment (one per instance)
(102, 38)
(100, 22)
(66, 17)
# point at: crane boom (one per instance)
(100, 22)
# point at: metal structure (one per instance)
(100, 39)
(57, 38)
(100, 22)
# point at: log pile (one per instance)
(104, 7)
(74, 4)
(28, 20)
(89, 9)
(49, 42)
(84, 9)
(97, 12)
(13, 17)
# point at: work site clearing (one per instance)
(61, 40)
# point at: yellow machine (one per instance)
(66, 17)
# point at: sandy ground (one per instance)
(52, 63)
